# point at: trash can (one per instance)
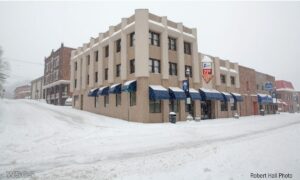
(172, 117)
(262, 112)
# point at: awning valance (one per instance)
(226, 96)
(93, 92)
(115, 88)
(264, 99)
(176, 93)
(210, 94)
(157, 92)
(129, 86)
(195, 95)
(103, 91)
(237, 97)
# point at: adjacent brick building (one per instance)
(22, 92)
(57, 76)
(287, 96)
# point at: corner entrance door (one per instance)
(206, 110)
(81, 102)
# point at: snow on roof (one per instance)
(226, 69)
(285, 89)
(156, 23)
(56, 83)
(262, 95)
(236, 94)
(158, 87)
(128, 82)
(209, 90)
(226, 93)
(233, 70)
(206, 59)
(281, 84)
(223, 68)
(173, 29)
(177, 89)
(114, 85)
(93, 89)
(193, 90)
(100, 89)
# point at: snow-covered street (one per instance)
(58, 142)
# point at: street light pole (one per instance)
(188, 99)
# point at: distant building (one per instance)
(37, 88)
(57, 76)
(22, 92)
(287, 96)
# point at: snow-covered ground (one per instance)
(57, 142)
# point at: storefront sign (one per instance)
(268, 86)
(207, 71)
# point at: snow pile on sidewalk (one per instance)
(57, 142)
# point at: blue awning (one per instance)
(176, 93)
(210, 94)
(129, 86)
(157, 92)
(103, 91)
(237, 97)
(194, 94)
(264, 99)
(93, 92)
(115, 89)
(226, 96)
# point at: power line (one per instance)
(28, 62)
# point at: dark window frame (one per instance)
(96, 53)
(132, 39)
(154, 38)
(172, 68)
(118, 99)
(132, 66)
(224, 105)
(187, 48)
(106, 51)
(118, 45)
(132, 98)
(223, 78)
(106, 100)
(174, 105)
(118, 70)
(88, 57)
(232, 80)
(155, 106)
(106, 74)
(96, 76)
(191, 70)
(153, 66)
(172, 43)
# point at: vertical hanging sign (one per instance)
(207, 71)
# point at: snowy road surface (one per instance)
(57, 142)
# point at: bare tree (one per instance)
(4, 70)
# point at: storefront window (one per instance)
(233, 106)
(154, 106)
(224, 106)
(132, 98)
(173, 105)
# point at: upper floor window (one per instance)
(96, 56)
(188, 68)
(154, 38)
(132, 66)
(106, 51)
(247, 85)
(96, 76)
(105, 73)
(75, 66)
(232, 80)
(172, 68)
(118, 45)
(172, 43)
(187, 48)
(132, 39)
(223, 78)
(88, 59)
(88, 79)
(154, 66)
(118, 70)
(75, 83)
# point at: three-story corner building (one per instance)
(134, 66)
(57, 76)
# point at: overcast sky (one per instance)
(260, 35)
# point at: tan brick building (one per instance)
(140, 65)
(249, 91)
(57, 76)
(22, 92)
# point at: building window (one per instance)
(75, 83)
(132, 66)
(96, 76)
(95, 101)
(154, 38)
(172, 43)
(190, 69)
(106, 74)
(118, 70)
(233, 106)
(154, 106)
(132, 98)
(75, 66)
(172, 68)
(132, 39)
(223, 78)
(173, 105)
(88, 59)
(118, 45)
(247, 85)
(232, 80)
(118, 99)
(88, 79)
(224, 106)
(187, 48)
(154, 66)
(96, 56)
(106, 51)
(106, 100)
